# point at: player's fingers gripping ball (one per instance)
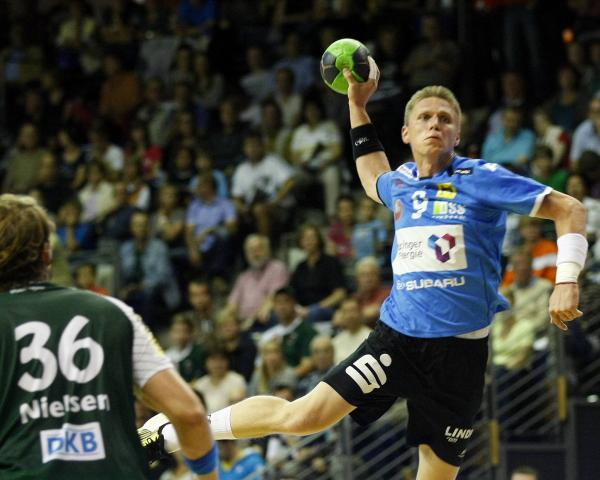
(345, 53)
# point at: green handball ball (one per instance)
(344, 53)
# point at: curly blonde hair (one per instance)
(24, 230)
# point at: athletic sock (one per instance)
(220, 424)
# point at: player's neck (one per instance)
(428, 166)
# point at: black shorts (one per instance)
(442, 380)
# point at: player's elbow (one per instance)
(192, 415)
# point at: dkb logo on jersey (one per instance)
(368, 373)
(77, 443)
(442, 246)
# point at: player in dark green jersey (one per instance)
(69, 363)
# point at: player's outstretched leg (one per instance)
(265, 415)
(432, 467)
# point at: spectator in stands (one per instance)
(587, 134)
(294, 333)
(227, 140)
(289, 101)
(512, 145)
(435, 60)
(339, 234)
(147, 278)
(149, 155)
(370, 292)
(304, 67)
(168, 221)
(551, 136)
(97, 196)
(203, 313)
(76, 39)
(261, 188)
(120, 93)
(239, 463)
(204, 164)
(318, 282)
(185, 135)
(276, 136)
(543, 251)
(272, 370)
(138, 191)
(23, 161)
(118, 219)
(72, 165)
(184, 352)
(513, 95)
(156, 113)
(181, 71)
(49, 184)
(524, 473)
(567, 107)
(180, 171)
(589, 167)
(257, 83)
(369, 233)
(352, 329)
(220, 386)
(546, 171)
(102, 150)
(85, 278)
(238, 345)
(316, 149)
(322, 353)
(209, 85)
(210, 223)
(75, 234)
(251, 298)
(197, 19)
(578, 187)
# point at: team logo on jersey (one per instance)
(404, 170)
(75, 443)
(442, 246)
(446, 190)
(398, 210)
(429, 249)
(368, 372)
(463, 171)
(444, 209)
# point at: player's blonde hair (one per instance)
(24, 230)
(432, 91)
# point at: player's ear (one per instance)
(47, 253)
(405, 136)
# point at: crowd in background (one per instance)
(197, 167)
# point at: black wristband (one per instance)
(364, 140)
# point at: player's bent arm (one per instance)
(168, 393)
(569, 214)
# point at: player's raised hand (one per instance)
(563, 304)
(360, 92)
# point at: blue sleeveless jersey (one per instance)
(446, 251)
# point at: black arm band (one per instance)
(364, 140)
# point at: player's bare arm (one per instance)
(569, 217)
(371, 165)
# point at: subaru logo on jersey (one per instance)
(77, 443)
(446, 190)
(442, 246)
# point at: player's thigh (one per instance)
(432, 467)
(319, 409)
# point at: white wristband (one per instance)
(570, 259)
(572, 247)
(567, 272)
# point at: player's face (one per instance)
(433, 128)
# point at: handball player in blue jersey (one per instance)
(431, 343)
